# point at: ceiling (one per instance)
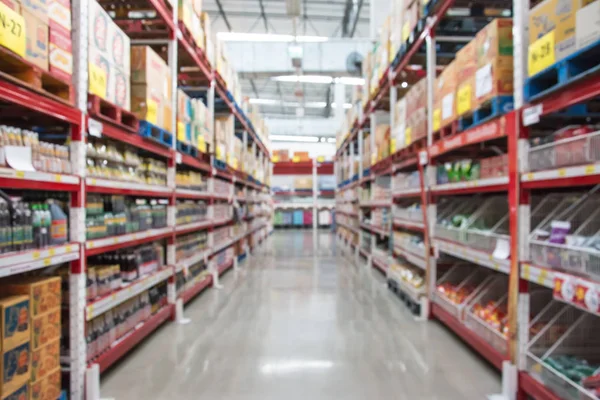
(329, 18)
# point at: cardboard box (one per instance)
(13, 5)
(15, 367)
(466, 62)
(147, 104)
(36, 34)
(48, 387)
(301, 156)
(557, 15)
(588, 25)
(167, 122)
(60, 57)
(106, 41)
(21, 393)
(494, 40)
(303, 183)
(185, 13)
(493, 79)
(59, 16)
(39, 8)
(15, 321)
(44, 293)
(150, 69)
(45, 329)
(197, 6)
(444, 94)
(45, 359)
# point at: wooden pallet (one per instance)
(103, 110)
(23, 73)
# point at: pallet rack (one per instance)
(288, 199)
(554, 287)
(83, 123)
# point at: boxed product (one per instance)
(466, 66)
(15, 321)
(147, 104)
(45, 359)
(59, 15)
(15, 367)
(44, 293)
(301, 156)
(36, 36)
(382, 141)
(588, 25)
(13, 5)
(45, 329)
(60, 55)
(108, 50)
(558, 16)
(303, 183)
(416, 96)
(197, 6)
(494, 75)
(48, 387)
(281, 155)
(185, 13)
(416, 127)
(21, 393)
(150, 69)
(444, 94)
(37, 8)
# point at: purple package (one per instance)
(559, 231)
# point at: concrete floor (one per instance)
(299, 323)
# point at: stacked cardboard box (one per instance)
(190, 14)
(396, 22)
(44, 298)
(202, 127)
(184, 119)
(235, 160)
(109, 56)
(281, 155)
(224, 131)
(416, 112)
(60, 51)
(444, 97)
(466, 65)
(301, 156)
(15, 346)
(494, 48)
(151, 91)
(399, 125)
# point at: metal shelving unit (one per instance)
(83, 124)
(549, 290)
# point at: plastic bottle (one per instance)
(37, 226)
(58, 224)
(47, 224)
(17, 229)
(28, 228)
(4, 227)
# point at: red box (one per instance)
(60, 55)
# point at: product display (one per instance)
(191, 244)
(191, 211)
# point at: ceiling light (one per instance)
(346, 105)
(331, 140)
(266, 102)
(293, 138)
(268, 37)
(322, 139)
(304, 78)
(404, 85)
(350, 80)
(309, 104)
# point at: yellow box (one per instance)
(21, 393)
(15, 367)
(46, 388)
(15, 321)
(557, 15)
(44, 293)
(45, 359)
(45, 329)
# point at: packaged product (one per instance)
(45, 359)
(59, 16)
(15, 321)
(466, 66)
(48, 387)
(36, 34)
(21, 393)
(45, 328)
(60, 55)
(15, 367)
(37, 8)
(44, 293)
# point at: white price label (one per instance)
(178, 158)
(531, 115)
(94, 127)
(423, 157)
(483, 80)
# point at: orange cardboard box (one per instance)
(36, 34)
(46, 388)
(45, 329)
(44, 293)
(445, 94)
(59, 15)
(45, 359)
(494, 40)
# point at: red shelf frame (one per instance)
(529, 386)
(409, 225)
(194, 291)
(302, 168)
(17, 183)
(132, 339)
(131, 243)
(481, 346)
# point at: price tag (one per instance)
(463, 99)
(97, 80)
(20, 174)
(219, 155)
(46, 262)
(321, 159)
(275, 159)
(151, 111)
(12, 30)
(94, 128)
(423, 157)
(526, 272)
(57, 178)
(201, 144)
(181, 132)
(541, 54)
(590, 169)
(531, 115)
(562, 172)
(437, 119)
(36, 255)
(392, 146)
(407, 136)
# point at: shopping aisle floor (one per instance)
(301, 323)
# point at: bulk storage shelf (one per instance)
(34, 180)
(132, 289)
(380, 264)
(376, 204)
(382, 232)
(107, 186)
(182, 193)
(497, 184)
(406, 193)
(415, 258)
(24, 261)
(112, 243)
(414, 293)
(408, 224)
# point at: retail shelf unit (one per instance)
(518, 245)
(220, 188)
(310, 205)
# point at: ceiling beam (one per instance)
(222, 13)
(346, 25)
(263, 15)
(280, 96)
(254, 88)
(356, 17)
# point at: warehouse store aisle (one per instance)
(301, 323)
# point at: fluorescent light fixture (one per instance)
(265, 102)
(331, 140)
(310, 104)
(293, 138)
(320, 79)
(268, 37)
(404, 85)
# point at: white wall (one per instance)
(314, 149)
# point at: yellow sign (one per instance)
(151, 111)
(296, 159)
(321, 159)
(275, 159)
(541, 54)
(181, 132)
(392, 146)
(437, 119)
(405, 31)
(463, 99)
(12, 30)
(219, 153)
(97, 80)
(201, 144)
(407, 136)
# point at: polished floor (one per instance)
(299, 322)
